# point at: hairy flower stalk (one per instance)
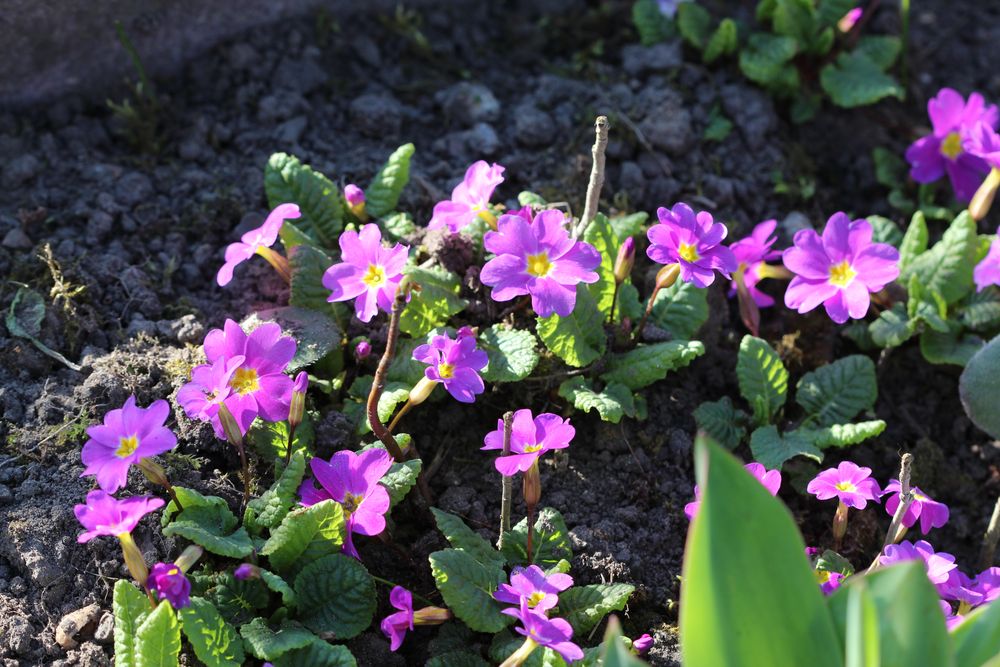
(665, 278)
(155, 473)
(235, 438)
(378, 383)
(507, 481)
(905, 499)
(596, 182)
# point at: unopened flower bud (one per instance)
(133, 558)
(230, 426)
(642, 644)
(667, 276)
(362, 350)
(465, 332)
(298, 404)
(421, 391)
(189, 557)
(153, 471)
(431, 616)
(625, 260)
(532, 485)
(355, 198)
(983, 199)
(246, 571)
(850, 19)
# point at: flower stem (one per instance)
(506, 482)
(291, 439)
(990, 539)
(399, 415)
(378, 385)
(521, 654)
(905, 500)
(614, 302)
(531, 533)
(246, 475)
(596, 183)
(839, 525)
(278, 261)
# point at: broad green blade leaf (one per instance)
(266, 643)
(762, 377)
(772, 449)
(207, 521)
(586, 606)
(831, 11)
(947, 266)
(694, 23)
(680, 309)
(513, 353)
(275, 503)
(131, 607)
(613, 403)
(653, 27)
(982, 310)
(796, 19)
(460, 536)
(893, 327)
(467, 587)
(949, 347)
(215, 642)
(885, 230)
(979, 386)
(308, 264)
(861, 636)
(305, 535)
(841, 435)
(436, 301)
(318, 654)
(237, 601)
(528, 198)
(578, 339)
(382, 195)
(911, 628)
(837, 392)
(613, 649)
(914, 242)
(855, 80)
(401, 477)
(723, 42)
(646, 364)
(158, 638)
(976, 640)
(397, 226)
(550, 542)
(279, 586)
(335, 595)
(287, 180)
(315, 334)
(601, 235)
(722, 422)
(764, 619)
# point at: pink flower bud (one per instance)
(625, 260)
(362, 350)
(354, 195)
(643, 644)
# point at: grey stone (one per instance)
(793, 222)
(19, 635)
(291, 130)
(669, 127)
(5, 495)
(16, 239)
(242, 56)
(21, 169)
(133, 188)
(302, 76)
(367, 50)
(752, 111)
(376, 114)
(99, 225)
(468, 103)
(638, 59)
(631, 179)
(533, 127)
(186, 329)
(105, 629)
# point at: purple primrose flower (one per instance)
(470, 199)
(362, 350)
(246, 571)
(455, 364)
(752, 254)
(208, 389)
(939, 565)
(838, 269)
(692, 241)
(394, 626)
(355, 198)
(553, 633)
(852, 484)
(369, 273)
(530, 583)
(931, 513)
(169, 583)
(529, 439)
(127, 435)
(771, 479)
(538, 258)
(987, 583)
(103, 514)
(829, 581)
(987, 272)
(256, 242)
(642, 644)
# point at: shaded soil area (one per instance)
(125, 245)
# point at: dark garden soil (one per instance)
(142, 235)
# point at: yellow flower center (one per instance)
(845, 486)
(539, 265)
(244, 381)
(822, 576)
(535, 598)
(172, 571)
(532, 448)
(487, 216)
(374, 276)
(446, 371)
(351, 502)
(842, 274)
(126, 446)
(688, 252)
(951, 146)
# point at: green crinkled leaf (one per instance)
(585, 606)
(927, 306)
(308, 264)
(315, 334)
(306, 534)
(209, 522)
(837, 392)
(292, 236)
(451, 636)
(680, 309)
(578, 339)
(914, 242)
(457, 658)
(771, 449)
(158, 638)
(382, 195)
(550, 541)
(606, 241)
(880, 49)
(842, 435)
(694, 23)
(318, 654)
(612, 403)
(130, 607)
(436, 301)
(237, 601)
(885, 230)
(215, 642)
(398, 225)
(982, 310)
(653, 27)
(402, 476)
(467, 587)
(796, 19)
(336, 595)
(262, 641)
(722, 422)
(762, 377)
(513, 353)
(279, 586)
(646, 364)
(460, 536)
(766, 60)
(528, 198)
(950, 347)
(723, 42)
(947, 266)
(717, 129)
(855, 80)
(890, 169)
(892, 328)
(270, 439)
(287, 180)
(274, 504)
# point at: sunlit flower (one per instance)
(369, 272)
(693, 241)
(931, 513)
(771, 479)
(208, 389)
(455, 364)
(103, 514)
(852, 484)
(829, 581)
(355, 198)
(258, 242)
(470, 199)
(987, 272)
(839, 269)
(538, 258)
(752, 254)
(246, 571)
(553, 633)
(642, 644)
(529, 440)
(394, 626)
(168, 582)
(938, 565)
(988, 584)
(531, 584)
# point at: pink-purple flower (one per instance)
(127, 435)
(829, 581)
(987, 583)
(838, 269)
(353, 481)
(938, 565)
(553, 633)
(455, 364)
(394, 626)
(752, 254)
(771, 479)
(355, 198)
(369, 272)
(470, 199)
(531, 584)
(530, 439)
(257, 242)
(931, 513)
(246, 571)
(538, 258)
(987, 272)
(168, 582)
(208, 389)
(642, 644)
(103, 514)
(852, 484)
(942, 152)
(693, 241)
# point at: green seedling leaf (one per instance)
(982, 310)
(947, 266)
(271, 507)
(880, 49)
(856, 80)
(550, 542)
(317, 654)
(382, 195)
(723, 42)
(841, 435)
(694, 23)
(885, 230)
(315, 334)
(287, 180)
(979, 386)
(771, 449)
(270, 439)
(460, 536)
(949, 347)
(207, 521)
(434, 304)
(766, 60)
(158, 638)
(680, 309)
(893, 327)
(653, 28)
(335, 595)
(304, 535)
(762, 377)
(266, 643)
(130, 607)
(585, 606)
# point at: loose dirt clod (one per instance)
(72, 623)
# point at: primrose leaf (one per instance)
(382, 195)
(982, 310)
(398, 225)
(436, 301)
(766, 60)
(947, 266)
(831, 11)
(279, 586)
(467, 587)
(893, 327)
(457, 658)
(842, 435)
(308, 264)
(315, 334)
(613, 403)
(215, 642)
(949, 347)
(837, 392)
(653, 27)
(605, 239)
(796, 19)
(724, 41)
(158, 638)
(336, 595)
(764, 621)
(210, 524)
(513, 353)
(24, 320)
(615, 649)
(762, 377)
(578, 339)
(880, 49)
(550, 541)
(914, 242)
(771, 449)
(885, 230)
(585, 606)
(460, 536)
(271, 507)
(237, 601)
(288, 180)
(680, 309)
(261, 641)
(890, 171)
(130, 607)
(270, 439)
(694, 23)
(318, 654)
(646, 364)
(528, 198)
(306, 534)
(722, 422)
(402, 476)
(855, 80)
(975, 640)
